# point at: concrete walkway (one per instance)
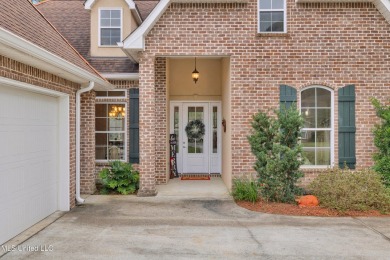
(212, 189)
(168, 227)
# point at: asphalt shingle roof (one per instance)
(23, 19)
(74, 22)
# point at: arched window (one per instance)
(317, 133)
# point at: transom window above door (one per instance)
(110, 27)
(272, 16)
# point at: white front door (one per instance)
(195, 151)
(201, 155)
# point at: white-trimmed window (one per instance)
(317, 133)
(110, 131)
(110, 26)
(272, 16)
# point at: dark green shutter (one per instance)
(347, 128)
(134, 125)
(288, 96)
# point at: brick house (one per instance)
(328, 56)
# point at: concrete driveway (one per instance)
(127, 227)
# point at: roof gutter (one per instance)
(78, 139)
(18, 43)
(121, 76)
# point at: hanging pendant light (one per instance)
(195, 74)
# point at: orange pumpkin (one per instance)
(307, 201)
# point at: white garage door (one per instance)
(28, 159)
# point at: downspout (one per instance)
(78, 140)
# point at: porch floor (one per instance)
(210, 189)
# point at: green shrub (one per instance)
(245, 190)
(120, 177)
(382, 141)
(275, 144)
(351, 190)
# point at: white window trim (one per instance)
(332, 117)
(105, 132)
(99, 29)
(114, 98)
(276, 10)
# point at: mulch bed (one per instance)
(294, 210)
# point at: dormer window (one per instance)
(110, 26)
(272, 16)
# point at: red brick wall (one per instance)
(327, 44)
(87, 146)
(161, 118)
(24, 73)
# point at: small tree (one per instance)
(275, 143)
(382, 141)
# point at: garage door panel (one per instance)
(28, 159)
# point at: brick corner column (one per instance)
(87, 167)
(147, 125)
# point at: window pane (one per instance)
(265, 26)
(116, 14)
(101, 139)
(115, 152)
(116, 138)
(101, 110)
(323, 98)
(105, 13)
(106, 32)
(265, 16)
(323, 139)
(116, 93)
(101, 124)
(116, 124)
(199, 113)
(105, 22)
(116, 22)
(308, 98)
(308, 138)
(105, 41)
(199, 146)
(309, 156)
(191, 114)
(277, 27)
(277, 4)
(215, 128)
(309, 117)
(323, 118)
(101, 93)
(101, 152)
(323, 157)
(176, 126)
(191, 146)
(277, 16)
(265, 4)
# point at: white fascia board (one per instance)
(384, 8)
(121, 76)
(89, 3)
(135, 40)
(18, 43)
